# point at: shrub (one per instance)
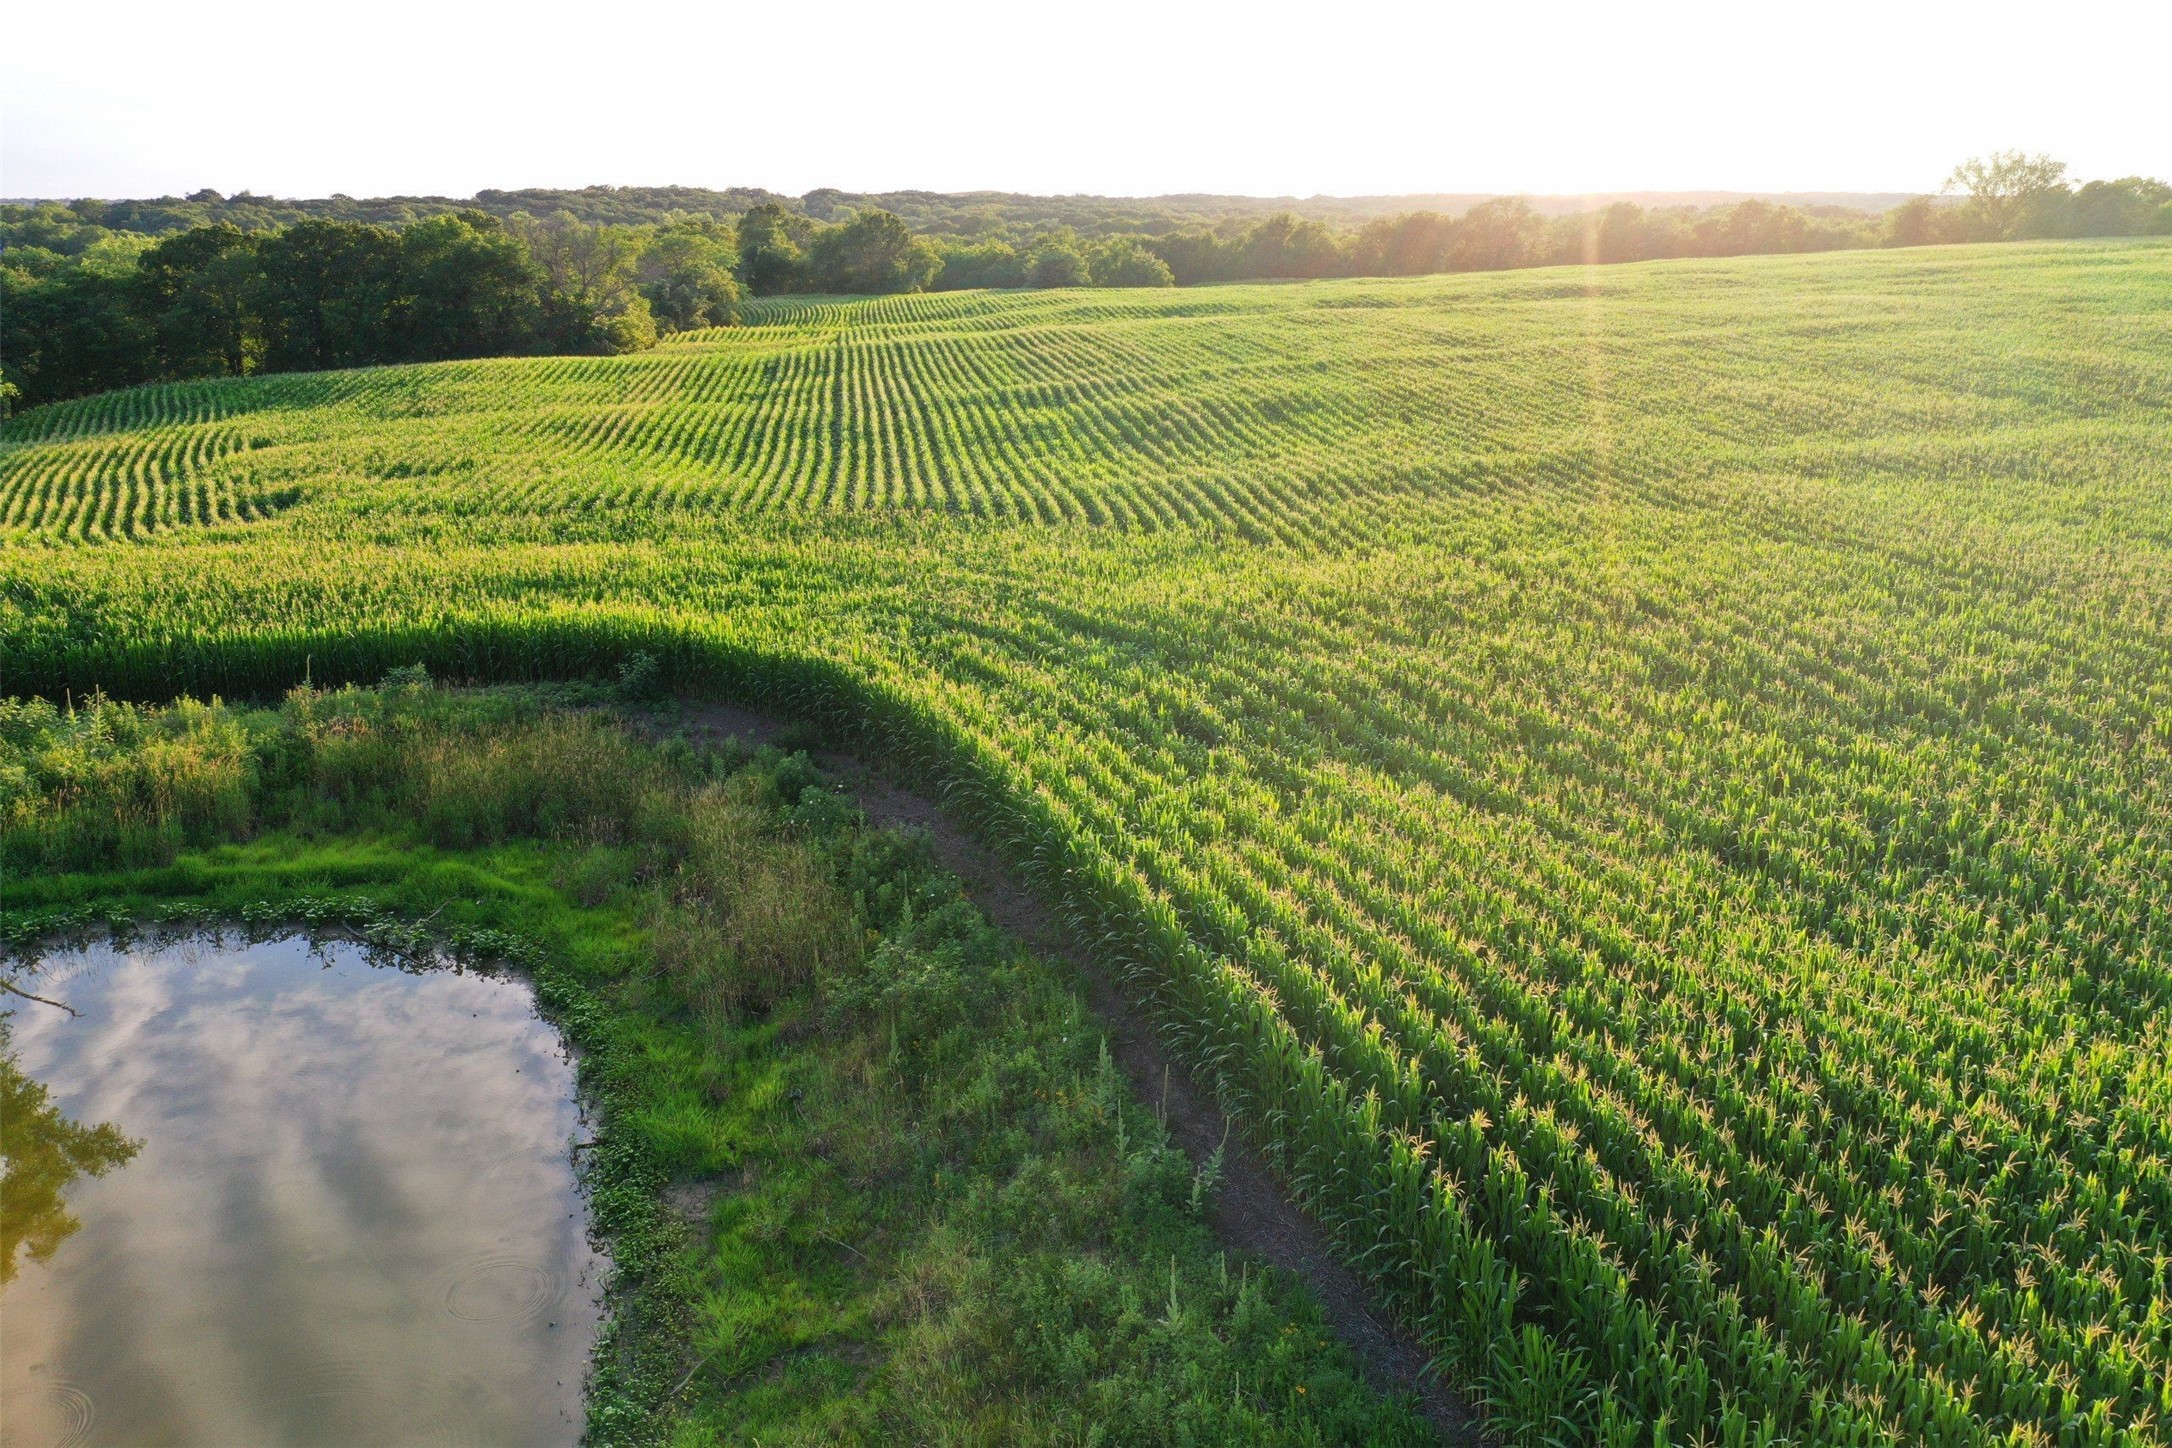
(749, 917)
(107, 784)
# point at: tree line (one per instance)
(216, 300)
(85, 308)
(2004, 197)
(964, 217)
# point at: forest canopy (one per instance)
(103, 294)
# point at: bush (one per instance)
(1057, 264)
(1121, 261)
(749, 918)
(641, 677)
(106, 784)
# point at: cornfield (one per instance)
(1648, 791)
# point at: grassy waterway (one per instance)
(354, 1218)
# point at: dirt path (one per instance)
(1252, 1214)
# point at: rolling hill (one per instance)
(1648, 789)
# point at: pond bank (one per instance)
(353, 1216)
(911, 1193)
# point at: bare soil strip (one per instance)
(1252, 1214)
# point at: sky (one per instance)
(126, 98)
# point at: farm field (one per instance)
(1648, 789)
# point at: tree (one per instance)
(590, 302)
(1495, 234)
(984, 264)
(1285, 245)
(1915, 222)
(1621, 234)
(2001, 187)
(1194, 257)
(324, 295)
(1057, 262)
(194, 289)
(1410, 245)
(871, 254)
(685, 271)
(42, 1152)
(1756, 228)
(2130, 206)
(115, 254)
(770, 254)
(52, 227)
(1120, 261)
(66, 329)
(467, 288)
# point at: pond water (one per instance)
(353, 1217)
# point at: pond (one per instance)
(352, 1216)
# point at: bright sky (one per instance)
(1120, 97)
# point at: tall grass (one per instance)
(933, 1208)
(109, 783)
(747, 918)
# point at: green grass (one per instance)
(1648, 789)
(901, 1196)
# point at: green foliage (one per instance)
(326, 293)
(1020, 1219)
(67, 329)
(467, 289)
(1057, 262)
(1285, 245)
(1915, 223)
(1123, 261)
(641, 677)
(593, 303)
(872, 254)
(195, 290)
(980, 264)
(772, 249)
(1645, 788)
(747, 922)
(915, 1200)
(2007, 191)
(1196, 257)
(685, 272)
(108, 783)
(224, 299)
(2130, 206)
(218, 301)
(1498, 235)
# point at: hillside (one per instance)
(1649, 788)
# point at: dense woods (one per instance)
(123, 308)
(96, 295)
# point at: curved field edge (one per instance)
(1727, 835)
(740, 1150)
(1363, 1164)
